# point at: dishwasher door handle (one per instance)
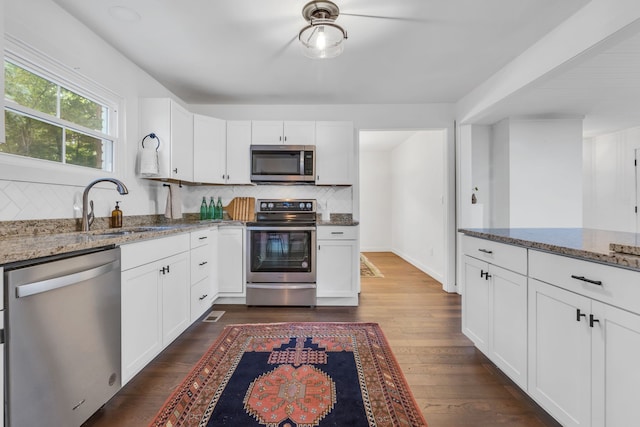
(60, 282)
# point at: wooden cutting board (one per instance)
(242, 209)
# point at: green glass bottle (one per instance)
(212, 209)
(219, 208)
(203, 209)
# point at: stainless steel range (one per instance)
(281, 253)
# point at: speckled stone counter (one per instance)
(338, 219)
(582, 243)
(36, 242)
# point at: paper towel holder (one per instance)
(152, 136)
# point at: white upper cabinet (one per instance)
(238, 170)
(173, 125)
(279, 132)
(209, 149)
(335, 153)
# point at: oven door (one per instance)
(281, 254)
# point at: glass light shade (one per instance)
(322, 39)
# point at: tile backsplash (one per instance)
(27, 201)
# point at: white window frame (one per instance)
(27, 169)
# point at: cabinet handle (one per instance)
(280, 138)
(203, 297)
(486, 251)
(202, 238)
(202, 263)
(584, 279)
(175, 170)
(481, 273)
(592, 320)
(485, 274)
(167, 269)
(337, 232)
(579, 315)
(164, 270)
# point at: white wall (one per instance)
(417, 200)
(545, 158)
(375, 196)
(610, 180)
(500, 204)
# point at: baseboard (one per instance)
(425, 269)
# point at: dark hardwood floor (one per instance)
(453, 383)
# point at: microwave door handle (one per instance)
(301, 162)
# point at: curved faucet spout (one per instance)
(122, 189)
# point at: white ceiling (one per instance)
(246, 51)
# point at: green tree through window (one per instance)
(45, 120)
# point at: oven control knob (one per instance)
(263, 205)
(270, 205)
(301, 206)
(309, 206)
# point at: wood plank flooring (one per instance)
(453, 383)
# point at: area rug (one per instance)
(295, 375)
(368, 269)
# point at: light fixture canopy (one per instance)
(322, 38)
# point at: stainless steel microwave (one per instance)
(283, 163)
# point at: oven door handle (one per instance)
(281, 228)
(281, 285)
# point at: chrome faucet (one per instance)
(88, 217)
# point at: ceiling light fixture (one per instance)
(322, 38)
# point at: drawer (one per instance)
(200, 238)
(200, 263)
(337, 232)
(511, 257)
(617, 286)
(201, 299)
(140, 253)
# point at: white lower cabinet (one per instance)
(494, 315)
(204, 272)
(231, 278)
(155, 298)
(337, 265)
(583, 358)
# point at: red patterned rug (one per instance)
(295, 375)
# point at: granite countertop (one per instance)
(26, 240)
(608, 247)
(31, 246)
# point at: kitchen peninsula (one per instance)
(558, 311)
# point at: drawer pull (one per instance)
(202, 238)
(202, 263)
(584, 279)
(486, 251)
(592, 320)
(337, 232)
(203, 297)
(579, 315)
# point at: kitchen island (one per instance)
(558, 311)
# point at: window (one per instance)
(49, 120)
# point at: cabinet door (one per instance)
(560, 353)
(141, 318)
(231, 261)
(300, 133)
(616, 377)
(508, 323)
(181, 143)
(336, 268)
(238, 152)
(214, 284)
(209, 149)
(475, 303)
(334, 153)
(175, 296)
(267, 132)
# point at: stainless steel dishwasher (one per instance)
(62, 337)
